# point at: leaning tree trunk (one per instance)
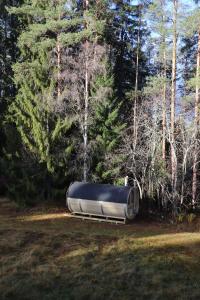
(196, 125)
(173, 98)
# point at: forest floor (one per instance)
(47, 255)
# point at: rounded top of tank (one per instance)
(99, 192)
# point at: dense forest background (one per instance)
(100, 90)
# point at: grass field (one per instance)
(47, 255)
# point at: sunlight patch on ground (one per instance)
(153, 243)
(48, 255)
(43, 217)
(183, 238)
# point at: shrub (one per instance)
(191, 217)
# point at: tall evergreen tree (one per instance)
(37, 77)
(106, 134)
(10, 27)
(62, 44)
(128, 24)
(192, 35)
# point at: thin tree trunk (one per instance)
(196, 125)
(164, 119)
(85, 134)
(164, 74)
(86, 104)
(183, 162)
(4, 55)
(164, 107)
(164, 88)
(58, 48)
(136, 82)
(173, 98)
(58, 70)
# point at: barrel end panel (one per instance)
(132, 204)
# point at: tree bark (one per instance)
(85, 133)
(173, 98)
(58, 49)
(136, 82)
(196, 126)
(58, 71)
(86, 105)
(164, 110)
(164, 87)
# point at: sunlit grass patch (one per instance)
(42, 217)
(49, 256)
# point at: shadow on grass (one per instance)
(61, 259)
(65, 222)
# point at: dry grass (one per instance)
(49, 256)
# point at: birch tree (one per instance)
(84, 61)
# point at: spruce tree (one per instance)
(62, 41)
(9, 30)
(36, 110)
(10, 27)
(126, 25)
(106, 133)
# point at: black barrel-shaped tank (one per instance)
(103, 200)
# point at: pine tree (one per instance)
(159, 23)
(173, 100)
(192, 26)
